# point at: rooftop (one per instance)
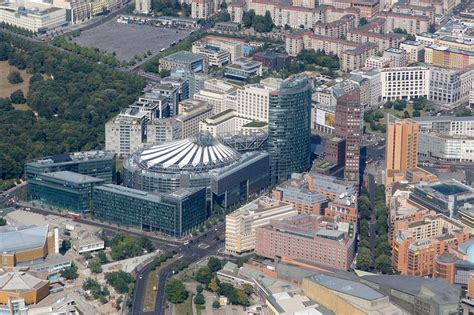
(20, 238)
(72, 177)
(184, 56)
(73, 157)
(353, 288)
(20, 281)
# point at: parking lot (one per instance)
(128, 40)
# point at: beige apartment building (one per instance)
(241, 224)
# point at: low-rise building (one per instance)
(215, 56)
(241, 225)
(184, 59)
(343, 208)
(272, 60)
(243, 69)
(310, 238)
(329, 186)
(229, 122)
(415, 51)
(440, 147)
(87, 244)
(396, 57)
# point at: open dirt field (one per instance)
(5, 87)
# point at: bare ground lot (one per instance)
(128, 40)
(6, 88)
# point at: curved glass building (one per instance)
(199, 161)
(289, 128)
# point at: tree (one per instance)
(363, 21)
(406, 114)
(165, 73)
(216, 304)
(464, 112)
(17, 97)
(199, 299)
(364, 243)
(175, 291)
(69, 273)
(119, 280)
(383, 249)
(224, 5)
(66, 245)
(94, 265)
(15, 77)
(384, 264)
(416, 113)
(214, 264)
(364, 259)
(213, 285)
(204, 275)
(248, 289)
(199, 288)
(102, 257)
(3, 221)
(183, 264)
(145, 243)
(248, 17)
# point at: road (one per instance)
(191, 253)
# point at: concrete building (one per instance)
(185, 60)
(450, 88)
(243, 69)
(241, 225)
(404, 83)
(88, 243)
(442, 56)
(397, 57)
(376, 62)
(143, 6)
(253, 99)
(202, 9)
(229, 122)
(126, 132)
(296, 192)
(415, 51)
(28, 286)
(338, 28)
(446, 125)
(329, 186)
(439, 147)
(272, 60)
(215, 56)
(234, 47)
(39, 19)
(373, 93)
(172, 93)
(343, 208)
(413, 24)
(236, 10)
(309, 238)
(401, 151)
(219, 100)
(23, 246)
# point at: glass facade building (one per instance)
(64, 190)
(289, 128)
(93, 163)
(175, 214)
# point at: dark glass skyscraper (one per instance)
(289, 128)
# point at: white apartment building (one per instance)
(143, 6)
(404, 83)
(415, 51)
(202, 9)
(253, 101)
(235, 48)
(376, 62)
(241, 224)
(215, 55)
(126, 132)
(35, 19)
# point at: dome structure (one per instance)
(200, 153)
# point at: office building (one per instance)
(253, 99)
(296, 192)
(445, 148)
(450, 88)
(39, 19)
(243, 69)
(272, 60)
(219, 100)
(446, 125)
(156, 106)
(143, 6)
(63, 190)
(417, 242)
(215, 55)
(441, 56)
(330, 186)
(241, 224)
(175, 214)
(405, 83)
(443, 197)
(23, 246)
(229, 123)
(347, 295)
(309, 238)
(171, 92)
(180, 82)
(185, 60)
(401, 151)
(416, 295)
(126, 132)
(349, 128)
(98, 164)
(289, 128)
(396, 57)
(199, 161)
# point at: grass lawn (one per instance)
(22, 107)
(6, 88)
(185, 308)
(150, 294)
(396, 113)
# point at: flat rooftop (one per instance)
(449, 189)
(73, 157)
(184, 56)
(72, 177)
(20, 238)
